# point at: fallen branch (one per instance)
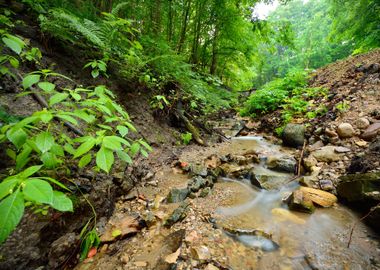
(189, 126)
(41, 100)
(356, 223)
(300, 160)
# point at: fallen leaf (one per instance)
(172, 258)
(116, 233)
(92, 252)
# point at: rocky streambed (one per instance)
(236, 205)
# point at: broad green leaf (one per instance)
(12, 44)
(67, 118)
(130, 126)
(38, 190)
(59, 97)
(11, 153)
(6, 187)
(46, 86)
(44, 115)
(95, 73)
(23, 158)
(85, 147)
(89, 118)
(69, 148)
(57, 149)
(84, 161)
(30, 171)
(14, 62)
(44, 141)
(29, 80)
(11, 212)
(104, 159)
(49, 160)
(111, 143)
(104, 109)
(105, 127)
(121, 140)
(17, 137)
(135, 147)
(147, 146)
(53, 181)
(61, 202)
(124, 156)
(75, 96)
(122, 130)
(144, 153)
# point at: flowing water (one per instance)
(292, 240)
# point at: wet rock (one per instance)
(205, 192)
(299, 201)
(362, 123)
(196, 183)
(198, 170)
(309, 162)
(178, 214)
(234, 170)
(177, 195)
(353, 187)
(345, 130)
(254, 181)
(326, 185)
(293, 135)
(61, 249)
(282, 164)
(215, 173)
(308, 181)
(319, 197)
(201, 253)
(212, 162)
(265, 181)
(326, 154)
(371, 132)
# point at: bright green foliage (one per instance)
(99, 67)
(358, 21)
(186, 137)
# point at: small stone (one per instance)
(212, 162)
(326, 185)
(178, 214)
(361, 143)
(371, 132)
(299, 201)
(198, 170)
(141, 264)
(211, 267)
(309, 162)
(331, 133)
(124, 258)
(205, 192)
(177, 195)
(345, 130)
(362, 123)
(201, 253)
(196, 183)
(341, 149)
(326, 154)
(284, 163)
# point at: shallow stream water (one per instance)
(298, 241)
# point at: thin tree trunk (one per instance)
(184, 27)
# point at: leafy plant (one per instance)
(99, 67)
(159, 102)
(343, 106)
(186, 137)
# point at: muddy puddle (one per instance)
(290, 240)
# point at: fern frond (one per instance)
(115, 11)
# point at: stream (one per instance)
(292, 240)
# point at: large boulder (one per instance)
(345, 130)
(358, 187)
(282, 163)
(319, 197)
(293, 135)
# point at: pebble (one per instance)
(345, 130)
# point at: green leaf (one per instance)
(69, 148)
(11, 153)
(144, 153)
(124, 156)
(104, 159)
(135, 147)
(46, 86)
(49, 160)
(30, 171)
(44, 115)
(14, 62)
(111, 143)
(67, 118)
(105, 127)
(12, 44)
(130, 126)
(57, 149)
(53, 181)
(29, 80)
(84, 161)
(95, 73)
(85, 147)
(61, 202)
(59, 97)
(89, 118)
(38, 190)
(75, 96)
(11, 211)
(122, 130)
(44, 141)
(147, 146)
(116, 233)
(6, 187)
(23, 158)
(17, 137)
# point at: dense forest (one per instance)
(191, 60)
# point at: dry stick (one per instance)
(300, 160)
(41, 100)
(356, 223)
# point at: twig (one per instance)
(300, 160)
(356, 223)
